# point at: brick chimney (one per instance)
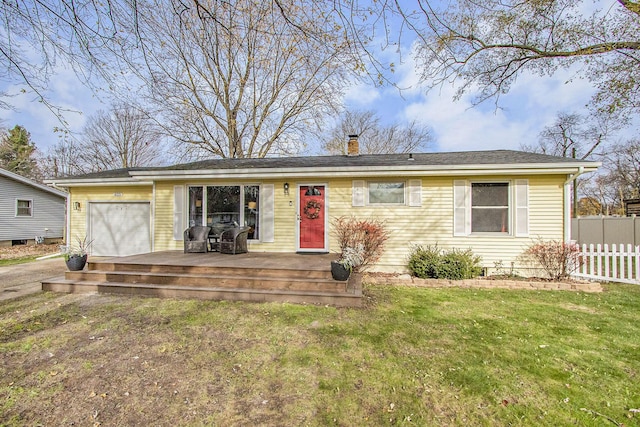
(353, 149)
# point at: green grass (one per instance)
(15, 261)
(22, 260)
(412, 357)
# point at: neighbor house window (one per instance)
(24, 207)
(386, 193)
(490, 207)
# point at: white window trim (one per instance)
(518, 208)
(405, 189)
(30, 208)
(510, 207)
(266, 206)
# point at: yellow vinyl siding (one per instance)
(428, 224)
(284, 224)
(85, 195)
(432, 223)
(163, 225)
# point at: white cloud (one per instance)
(531, 104)
(361, 95)
(64, 91)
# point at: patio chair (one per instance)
(196, 239)
(234, 240)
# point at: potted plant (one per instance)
(350, 259)
(76, 256)
(361, 243)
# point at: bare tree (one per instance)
(624, 169)
(39, 36)
(234, 79)
(572, 135)
(487, 44)
(603, 193)
(374, 137)
(246, 76)
(121, 138)
(618, 180)
(64, 158)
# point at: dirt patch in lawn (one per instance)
(111, 361)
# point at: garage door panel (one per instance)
(120, 229)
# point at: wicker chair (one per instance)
(196, 239)
(234, 240)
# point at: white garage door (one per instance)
(120, 229)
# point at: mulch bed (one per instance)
(483, 283)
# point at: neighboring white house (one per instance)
(29, 211)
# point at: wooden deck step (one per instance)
(245, 271)
(343, 299)
(247, 277)
(200, 280)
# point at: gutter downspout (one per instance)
(567, 203)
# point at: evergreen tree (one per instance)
(17, 153)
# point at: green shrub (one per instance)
(459, 265)
(430, 262)
(423, 261)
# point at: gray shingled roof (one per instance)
(466, 158)
(19, 178)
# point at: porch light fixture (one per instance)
(286, 188)
(76, 206)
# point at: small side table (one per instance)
(214, 242)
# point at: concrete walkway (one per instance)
(23, 279)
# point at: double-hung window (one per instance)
(496, 207)
(490, 207)
(24, 207)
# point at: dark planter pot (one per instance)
(339, 272)
(76, 263)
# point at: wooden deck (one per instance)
(282, 277)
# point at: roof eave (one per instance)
(509, 169)
(138, 178)
(97, 182)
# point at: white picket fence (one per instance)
(615, 263)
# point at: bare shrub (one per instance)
(557, 259)
(366, 236)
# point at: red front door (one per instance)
(312, 217)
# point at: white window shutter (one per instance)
(522, 208)
(267, 213)
(178, 212)
(358, 193)
(461, 214)
(415, 192)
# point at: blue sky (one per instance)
(532, 104)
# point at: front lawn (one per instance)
(412, 356)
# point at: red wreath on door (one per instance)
(312, 209)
